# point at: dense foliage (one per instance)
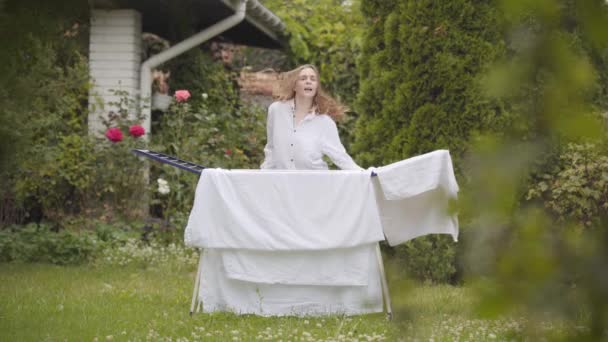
(526, 136)
(52, 168)
(43, 93)
(545, 256)
(212, 128)
(576, 186)
(324, 33)
(419, 69)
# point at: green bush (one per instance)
(82, 174)
(545, 257)
(420, 67)
(120, 189)
(43, 96)
(212, 128)
(428, 258)
(51, 167)
(38, 243)
(576, 188)
(226, 138)
(95, 242)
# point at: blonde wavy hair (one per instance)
(284, 90)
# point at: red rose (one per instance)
(136, 131)
(182, 95)
(114, 134)
(228, 152)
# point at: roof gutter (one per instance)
(145, 83)
(262, 18)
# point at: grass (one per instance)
(40, 302)
(84, 303)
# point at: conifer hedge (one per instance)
(419, 77)
(420, 91)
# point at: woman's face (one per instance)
(307, 83)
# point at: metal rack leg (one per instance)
(196, 285)
(385, 293)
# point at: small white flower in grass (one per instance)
(306, 321)
(319, 325)
(163, 186)
(492, 336)
(204, 95)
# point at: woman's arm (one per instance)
(268, 149)
(333, 148)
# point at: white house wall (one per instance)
(114, 60)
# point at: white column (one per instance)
(114, 60)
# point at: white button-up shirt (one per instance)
(302, 146)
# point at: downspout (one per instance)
(145, 83)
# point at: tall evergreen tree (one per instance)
(419, 88)
(420, 91)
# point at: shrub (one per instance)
(419, 92)
(43, 94)
(223, 137)
(99, 243)
(577, 187)
(211, 128)
(38, 243)
(419, 67)
(430, 259)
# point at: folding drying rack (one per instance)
(198, 169)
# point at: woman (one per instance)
(301, 127)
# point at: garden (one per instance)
(91, 236)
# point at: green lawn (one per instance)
(85, 303)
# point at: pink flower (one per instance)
(228, 152)
(114, 134)
(136, 131)
(182, 95)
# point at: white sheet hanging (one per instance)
(413, 197)
(283, 210)
(299, 242)
(220, 293)
(414, 176)
(331, 267)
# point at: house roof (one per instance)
(261, 27)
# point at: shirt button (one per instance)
(294, 130)
(291, 144)
(292, 160)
